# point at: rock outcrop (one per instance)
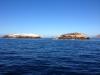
(21, 36)
(80, 36)
(98, 36)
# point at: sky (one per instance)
(50, 17)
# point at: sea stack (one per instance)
(75, 35)
(34, 36)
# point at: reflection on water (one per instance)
(49, 57)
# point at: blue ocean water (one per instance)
(49, 57)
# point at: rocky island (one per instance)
(98, 36)
(76, 35)
(34, 36)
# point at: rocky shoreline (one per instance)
(76, 35)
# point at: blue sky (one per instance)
(50, 17)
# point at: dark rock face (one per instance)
(73, 36)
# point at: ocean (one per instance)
(49, 57)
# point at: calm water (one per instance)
(49, 57)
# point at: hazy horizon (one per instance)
(50, 17)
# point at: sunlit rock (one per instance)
(80, 36)
(21, 36)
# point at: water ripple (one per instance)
(49, 57)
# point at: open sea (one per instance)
(49, 57)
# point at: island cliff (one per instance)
(21, 36)
(76, 35)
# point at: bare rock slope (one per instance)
(21, 36)
(80, 36)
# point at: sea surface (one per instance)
(49, 57)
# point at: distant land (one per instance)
(34, 36)
(74, 35)
(98, 36)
